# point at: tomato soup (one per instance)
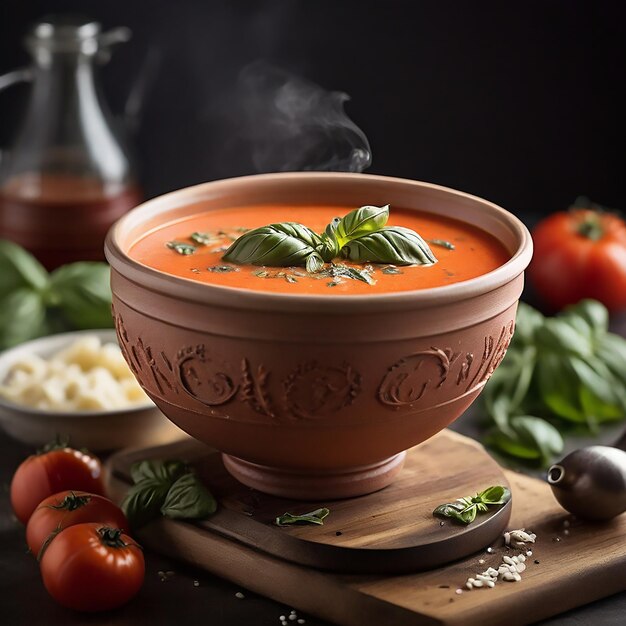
(472, 253)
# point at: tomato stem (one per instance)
(71, 502)
(111, 537)
(590, 226)
(57, 444)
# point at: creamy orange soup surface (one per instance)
(475, 252)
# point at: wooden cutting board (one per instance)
(393, 531)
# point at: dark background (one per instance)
(518, 102)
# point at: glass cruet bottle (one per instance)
(68, 176)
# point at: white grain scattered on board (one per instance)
(239, 595)
(510, 568)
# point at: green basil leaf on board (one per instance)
(559, 373)
(18, 268)
(188, 498)
(165, 471)
(82, 292)
(464, 510)
(144, 500)
(495, 495)
(22, 317)
(394, 244)
(314, 517)
(167, 488)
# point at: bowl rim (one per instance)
(38, 346)
(236, 297)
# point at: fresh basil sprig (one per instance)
(166, 488)
(360, 236)
(560, 373)
(35, 303)
(465, 510)
(314, 517)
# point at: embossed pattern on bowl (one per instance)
(301, 391)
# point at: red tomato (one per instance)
(69, 508)
(42, 475)
(91, 567)
(580, 254)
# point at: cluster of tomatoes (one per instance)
(87, 561)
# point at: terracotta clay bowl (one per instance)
(314, 397)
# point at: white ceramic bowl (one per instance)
(96, 430)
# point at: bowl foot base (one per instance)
(315, 485)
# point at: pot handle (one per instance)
(14, 77)
(21, 75)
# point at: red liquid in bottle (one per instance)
(62, 218)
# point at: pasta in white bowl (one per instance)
(78, 386)
(87, 375)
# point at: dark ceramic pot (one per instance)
(314, 396)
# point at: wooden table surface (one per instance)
(24, 601)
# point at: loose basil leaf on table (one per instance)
(82, 292)
(558, 385)
(557, 335)
(393, 244)
(539, 434)
(559, 373)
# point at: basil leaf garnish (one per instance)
(188, 498)
(442, 243)
(360, 236)
(367, 219)
(393, 244)
(277, 245)
(182, 248)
